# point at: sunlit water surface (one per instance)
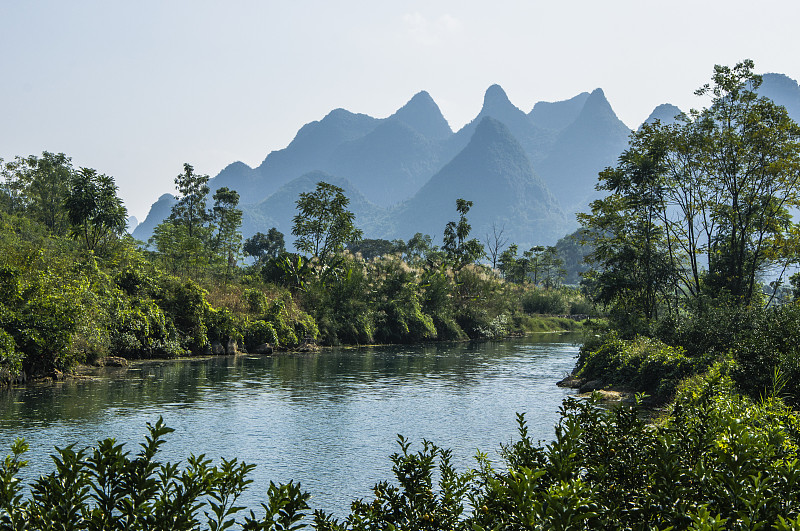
(329, 420)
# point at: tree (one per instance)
(38, 187)
(508, 263)
(494, 242)
(264, 246)
(227, 218)
(323, 225)
(716, 186)
(550, 268)
(190, 210)
(94, 209)
(419, 247)
(629, 239)
(751, 163)
(458, 249)
(183, 239)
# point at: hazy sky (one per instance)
(135, 89)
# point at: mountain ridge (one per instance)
(391, 160)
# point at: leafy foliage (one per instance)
(716, 186)
(323, 225)
(94, 209)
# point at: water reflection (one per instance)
(328, 419)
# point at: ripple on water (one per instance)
(329, 420)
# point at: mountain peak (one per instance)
(489, 127)
(495, 99)
(423, 115)
(783, 90)
(597, 98)
(558, 114)
(597, 107)
(494, 172)
(664, 113)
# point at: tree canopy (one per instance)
(700, 208)
(323, 224)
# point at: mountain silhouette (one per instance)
(585, 147)
(159, 211)
(535, 140)
(559, 114)
(389, 164)
(664, 113)
(783, 90)
(423, 116)
(404, 172)
(494, 172)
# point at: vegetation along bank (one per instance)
(75, 288)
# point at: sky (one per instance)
(135, 89)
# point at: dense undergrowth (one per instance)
(61, 305)
(757, 346)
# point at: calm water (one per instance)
(329, 420)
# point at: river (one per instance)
(329, 420)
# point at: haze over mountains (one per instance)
(527, 172)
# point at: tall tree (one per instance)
(94, 209)
(190, 210)
(38, 187)
(459, 250)
(227, 218)
(323, 225)
(716, 186)
(184, 238)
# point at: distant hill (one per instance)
(559, 114)
(388, 164)
(131, 223)
(494, 172)
(783, 90)
(160, 211)
(535, 140)
(279, 208)
(585, 147)
(664, 113)
(403, 173)
(423, 116)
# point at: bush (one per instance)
(10, 357)
(259, 332)
(107, 488)
(640, 365)
(547, 302)
(141, 330)
(769, 354)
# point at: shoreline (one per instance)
(86, 372)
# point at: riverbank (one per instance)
(525, 325)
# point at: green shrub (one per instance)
(640, 365)
(547, 302)
(223, 326)
(184, 302)
(141, 330)
(256, 301)
(716, 460)
(10, 357)
(259, 332)
(107, 488)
